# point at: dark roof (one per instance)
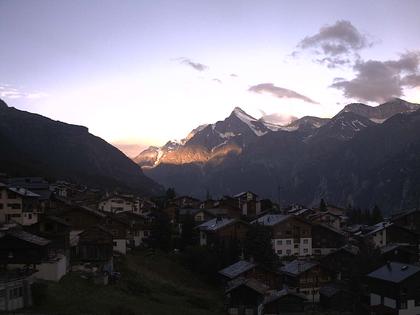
(331, 289)
(237, 269)
(250, 283)
(401, 214)
(243, 193)
(296, 267)
(400, 246)
(28, 237)
(15, 275)
(84, 208)
(394, 272)
(329, 227)
(57, 219)
(275, 295)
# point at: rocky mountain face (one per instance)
(362, 156)
(33, 145)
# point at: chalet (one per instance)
(339, 263)
(122, 230)
(387, 232)
(18, 205)
(222, 230)
(245, 296)
(54, 229)
(139, 227)
(326, 239)
(95, 246)
(403, 253)
(15, 290)
(185, 202)
(21, 249)
(247, 269)
(172, 212)
(81, 218)
(291, 235)
(376, 234)
(336, 210)
(394, 289)
(328, 218)
(336, 296)
(37, 185)
(305, 277)
(248, 203)
(409, 219)
(402, 235)
(117, 203)
(299, 211)
(284, 302)
(202, 215)
(18, 247)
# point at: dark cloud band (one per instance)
(279, 92)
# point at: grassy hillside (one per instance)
(151, 283)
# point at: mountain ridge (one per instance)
(39, 146)
(329, 158)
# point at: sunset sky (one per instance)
(139, 73)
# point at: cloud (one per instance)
(279, 92)
(379, 81)
(9, 92)
(335, 45)
(233, 75)
(276, 118)
(217, 80)
(195, 65)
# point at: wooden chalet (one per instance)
(245, 296)
(247, 269)
(284, 302)
(305, 277)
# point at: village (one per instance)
(263, 258)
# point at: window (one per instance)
(279, 242)
(305, 241)
(288, 242)
(403, 304)
(1, 206)
(114, 243)
(296, 246)
(279, 252)
(288, 252)
(305, 250)
(146, 233)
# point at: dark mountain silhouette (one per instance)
(36, 145)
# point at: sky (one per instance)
(140, 73)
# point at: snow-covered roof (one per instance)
(297, 266)
(271, 219)
(23, 192)
(237, 269)
(215, 224)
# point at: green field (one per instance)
(151, 283)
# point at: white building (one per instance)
(119, 203)
(291, 234)
(18, 205)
